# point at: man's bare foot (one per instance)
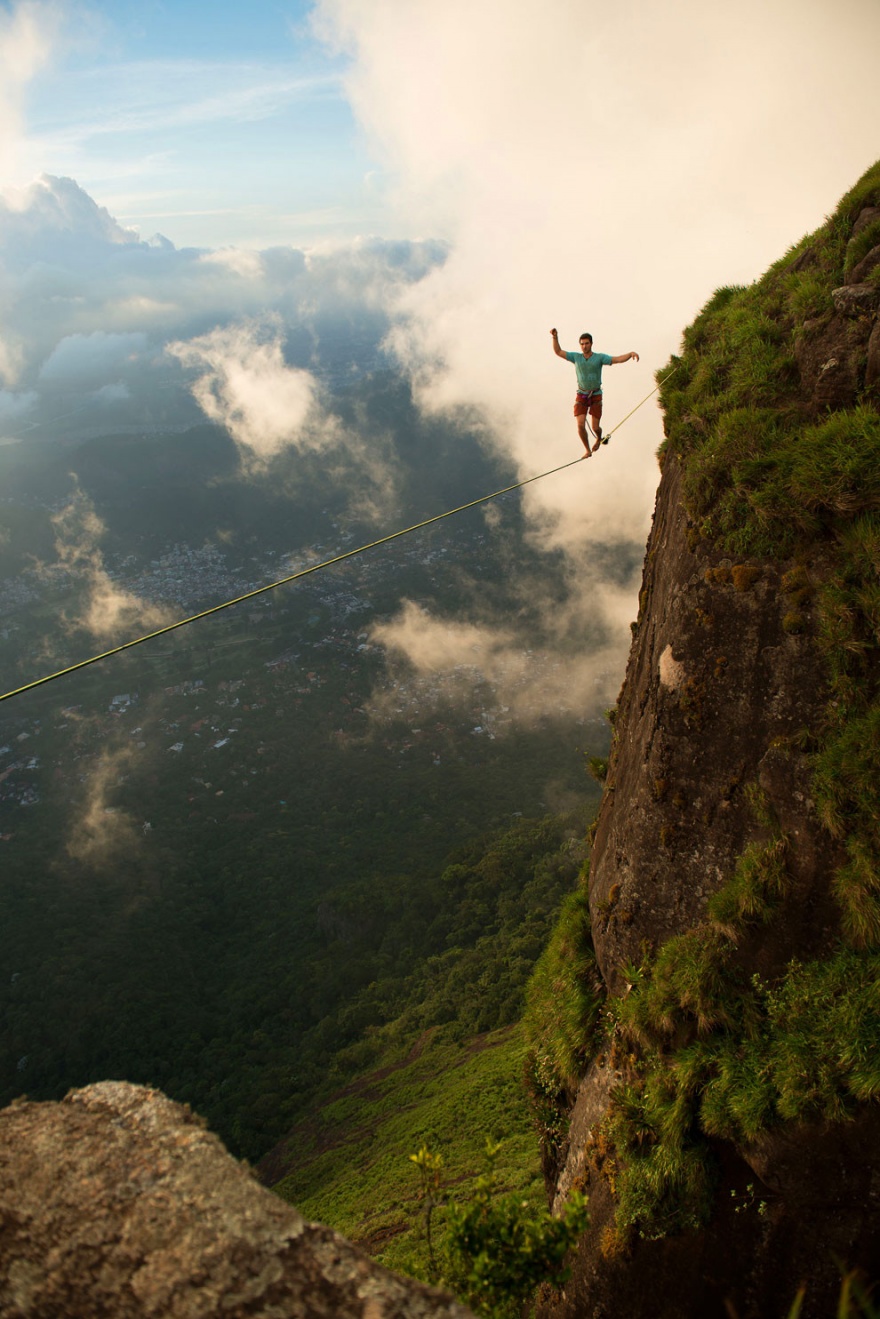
(589, 452)
(596, 446)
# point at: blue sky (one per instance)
(215, 124)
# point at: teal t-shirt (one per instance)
(589, 370)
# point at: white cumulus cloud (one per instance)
(446, 656)
(245, 384)
(104, 609)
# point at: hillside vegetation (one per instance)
(397, 1156)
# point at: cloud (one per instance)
(603, 172)
(149, 97)
(108, 612)
(246, 386)
(10, 360)
(118, 392)
(26, 36)
(371, 270)
(85, 303)
(14, 406)
(249, 265)
(101, 832)
(87, 360)
(51, 219)
(561, 659)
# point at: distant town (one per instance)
(203, 715)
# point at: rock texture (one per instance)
(830, 351)
(856, 299)
(117, 1203)
(827, 356)
(714, 683)
(872, 364)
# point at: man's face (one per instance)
(586, 345)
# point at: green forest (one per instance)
(234, 854)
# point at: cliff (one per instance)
(725, 1123)
(118, 1203)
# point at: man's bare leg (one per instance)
(582, 432)
(596, 430)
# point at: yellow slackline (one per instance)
(644, 400)
(315, 567)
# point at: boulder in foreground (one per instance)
(117, 1202)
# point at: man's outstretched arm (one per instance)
(624, 357)
(557, 350)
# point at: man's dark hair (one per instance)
(586, 336)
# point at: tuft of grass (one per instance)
(689, 983)
(865, 193)
(810, 296)
(737, 1102)
(835, 466)
(760, 878)
(744, 575)
(857, 889)
(564, 998)
(845, 779)
(664, 1189)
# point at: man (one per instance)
(588, 401)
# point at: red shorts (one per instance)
(588, 404)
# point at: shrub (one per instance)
(503, 1249)
(499, 1248)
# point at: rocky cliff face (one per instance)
(726, 1138)
(715, 691)
(117, 1203)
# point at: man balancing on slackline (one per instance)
(588, 401)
